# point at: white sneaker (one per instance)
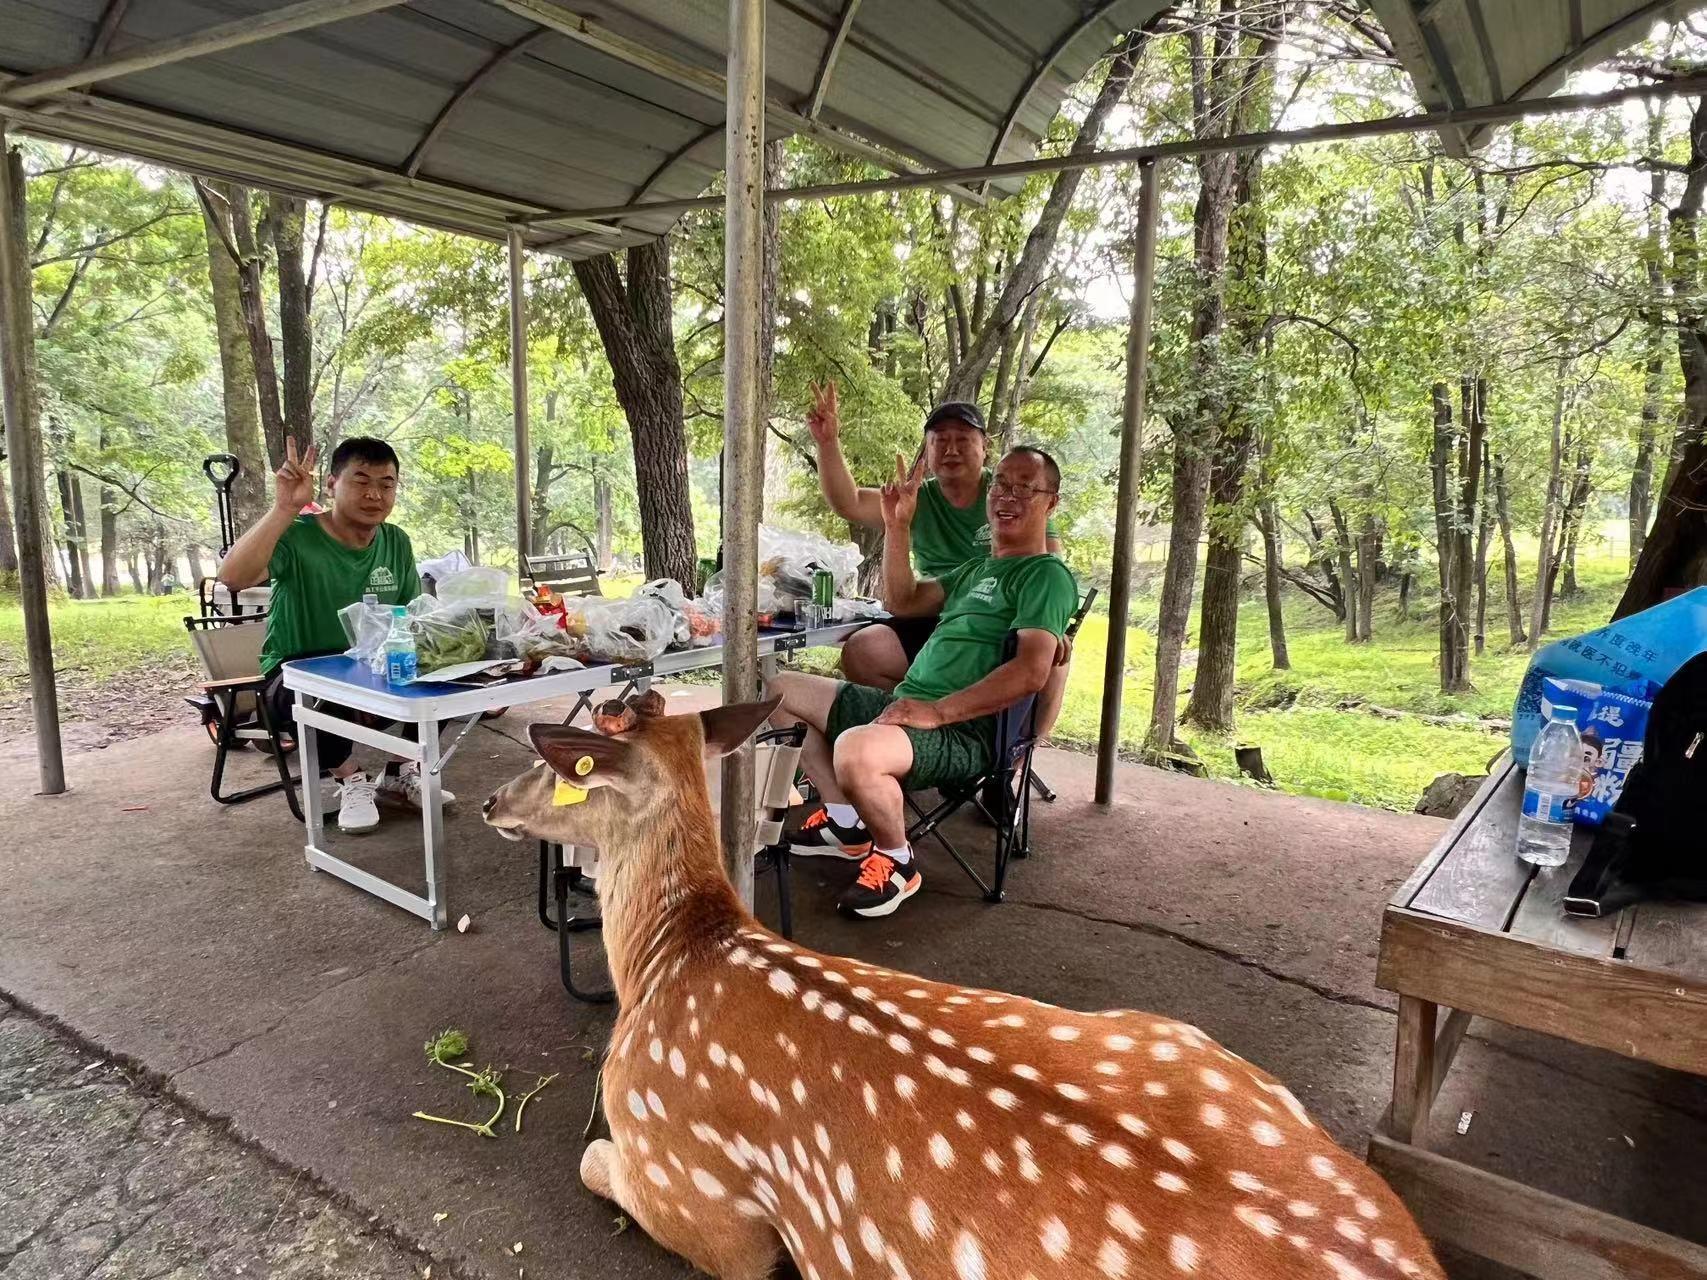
(404, 787)
(357, 812)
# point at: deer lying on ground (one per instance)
(762, 1097)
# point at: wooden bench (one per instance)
(1477, 932)
(568, 575)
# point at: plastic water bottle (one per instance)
(400, 659)
(1555, 770)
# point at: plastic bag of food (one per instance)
(768, 601)
(479, 586)
(519, 630)
(705, 625)
(366, 626)
(789, 558)
(634, 630)
(445, 636)
(668, 592)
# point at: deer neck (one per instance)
(665, 897)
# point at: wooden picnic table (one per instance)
(1477, 932)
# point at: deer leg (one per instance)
(708, 1232)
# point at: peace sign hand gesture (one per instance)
(824, 419)
(900, 496)
(294, 483)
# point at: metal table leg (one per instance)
(433, 822)
(308, 761)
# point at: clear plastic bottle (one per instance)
(400, 658)
(1555, 771)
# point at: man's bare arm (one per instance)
(847, 499)
(904, 595)
(245, 565)
(1026, 672)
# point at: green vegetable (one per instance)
(486, 1082)
(446, 639)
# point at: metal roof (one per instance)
(1468, 53)
(473, 114)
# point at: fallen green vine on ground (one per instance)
(451, 1044)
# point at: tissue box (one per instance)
(1612, 722)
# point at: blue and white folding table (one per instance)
(347, 682)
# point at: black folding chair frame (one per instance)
(224, 697)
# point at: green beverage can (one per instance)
(824, 589)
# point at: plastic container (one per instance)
(400, 658)
(1551, 789)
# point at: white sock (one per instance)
(900, 857)
(844, 815)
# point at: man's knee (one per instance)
(873, 656)
(870, 751)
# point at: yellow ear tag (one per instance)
(567, 793)
(583, 766)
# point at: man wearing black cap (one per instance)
(949, 528)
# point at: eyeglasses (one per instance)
(1024, 492)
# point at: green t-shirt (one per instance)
(314, 575)
(946, 536)
(985, 599)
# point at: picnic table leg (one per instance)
(1413, 1070)
(433, 822)
(308, 761)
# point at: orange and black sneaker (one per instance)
(882, 886)
(813, 833)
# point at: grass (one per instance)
(1315, 723)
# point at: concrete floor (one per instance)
(190, 941)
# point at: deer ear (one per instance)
(726, 728)
(579, 757)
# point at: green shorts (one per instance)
(953, 753)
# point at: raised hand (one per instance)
(295, 483)
(824, 419)
(900, 497)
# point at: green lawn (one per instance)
(1312, 742)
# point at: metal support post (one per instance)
(519, 393)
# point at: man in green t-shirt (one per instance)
(864, 745)
(317, 564)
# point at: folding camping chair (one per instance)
(230, 701)
(1003, 792)
(1044, 791)
(778, 755)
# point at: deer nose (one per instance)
(486, 808)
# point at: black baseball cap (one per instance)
(962, 411)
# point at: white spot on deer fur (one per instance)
(1133, 1125)
(738, 956)
(870, 1238)
(798, 1091)
(1184, 1253)
(1298, 1242)
(678, 1064)
(870, 1098)
(994, 1162)
(1027, 1164)
(782, 982)
(937, 1035)
(1170, 1181)
(1121, 1219)
(845, 1184)
(923, 1224)
(656, 1049)
(968, 1257)
(1079, 1185)
(941, 1151)
(833, 1011)
(1111, 1259)
(1026, 1073)
(958, 1000)
(701, 1080)
(1384, 1249)
(811, 1000)
(908, 1021)
(995, 999)
(757, 1090)
(778, 948)
(1116, 1155)
(706, 1185)
(717, 988)
(861, 1024)
(980, 1054)
(1164, 1051)
(1350, 1230)
(1155, 1088)
(1342, 1269)
(1072, 1092)
(893, 1164)
(656, 1173)
(964, 1120)
(1178, 1150)
(1079, 1136)
(1257, 1221)
(1265, 1134)
(1246, 1181)
(1006, 1020)
(749, 1208)
(1054, 1238)
(1212, 1115)
(1063, 1032)
(1344, 1187)
(900, 1043)
(637, 1105)
(693, 1028)
(718, 1055)
(1366, 1209)
(1215, 1080)
(1322, 1167)
(1003, 1099)
(906, 1087)
(836, 1071)
(1107, 1068)
(1302, 1209)
(809, 962)
(937, 1067)
(830, 975)
(736, 1065)
(917, 993)
(842, 1255)
(1119, 1043)
(864, 993)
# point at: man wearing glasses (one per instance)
(317, 564)
(864, 745)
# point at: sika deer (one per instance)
(877, 1124)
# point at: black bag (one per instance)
(1654, 842)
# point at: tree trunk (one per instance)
(1000, 392)
(82, 546)
(193, 554)
(1368, 557)
(136, 573)
(539, 506)
(75, 582)
(1513, 607)
(1484, 530)
(1539, 606)
(286, 217)
(8, 537)
(1405, 580)
(1452, 644)
(32, 436)
(603, 527)
(1653, 367)
(252, 295)
(966, 374)
(1347, 574)
(1269, 524)
(1575, 505)
(1321, 561)
(770, 263)
(109, 532)
(236, 366)
(634, 322)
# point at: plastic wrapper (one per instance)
(637, 629)
(668, 592)
(365, 627)
(1613, 723)
(445, 636)
(705, 625)
(788, 559)
(519, 630)
(768, 600)
(478, 587)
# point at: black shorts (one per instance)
(912, 632)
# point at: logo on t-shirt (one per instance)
(981, 538)
(381, 579)
(985, 591)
